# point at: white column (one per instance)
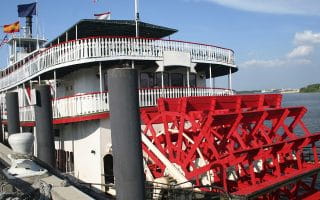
(55, 83)
(15, 51)
(35, 141)
(162, 84)
(132, 64)
(188, 77)
(100, 79)
(24, 103)
(76, 32)
(229, 80)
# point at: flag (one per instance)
(12, 28)
(26, 10)
(106, 15)
(4, 40)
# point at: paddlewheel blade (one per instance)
(249, 145)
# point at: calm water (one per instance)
(312, 102)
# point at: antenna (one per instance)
(136, 17)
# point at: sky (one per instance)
(276, 42)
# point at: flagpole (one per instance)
(136, 17)
(37, 31)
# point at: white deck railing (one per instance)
(92, 103)
(108, 48)
(78, 105)
(149, 96)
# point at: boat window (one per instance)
(146, 80)
(64, 160)
(176, 79)
(158, 82)
(105, 81)
(192, 80)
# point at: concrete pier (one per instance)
(54, 184)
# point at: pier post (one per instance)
(13, 112)
(126, 133)
(44, 126)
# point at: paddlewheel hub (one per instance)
(249, 146)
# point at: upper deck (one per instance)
(75, 65)
(73, 48)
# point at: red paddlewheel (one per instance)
(245, 144)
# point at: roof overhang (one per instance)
(95, 27)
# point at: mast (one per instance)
(29, 26)
(136, 13)
(136, 17)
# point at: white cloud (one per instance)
(272, 63)
(300, 51)
(300, 55)
(299, 7)
(307, 37)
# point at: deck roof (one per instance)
(95, 27)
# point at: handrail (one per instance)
(109, 47)
(97, 102)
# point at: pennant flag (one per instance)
(12, 28)
(106, 16)
(26, 10)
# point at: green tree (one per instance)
(311, 88)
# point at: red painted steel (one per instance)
(247, 144)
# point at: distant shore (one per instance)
(310, 88)
(313, 88)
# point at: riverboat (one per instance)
(234, 144)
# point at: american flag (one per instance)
(4, 40)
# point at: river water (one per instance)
(309, 100)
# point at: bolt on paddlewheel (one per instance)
(248, 145)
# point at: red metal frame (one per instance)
(248, 142)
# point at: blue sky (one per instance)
(276, 43)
